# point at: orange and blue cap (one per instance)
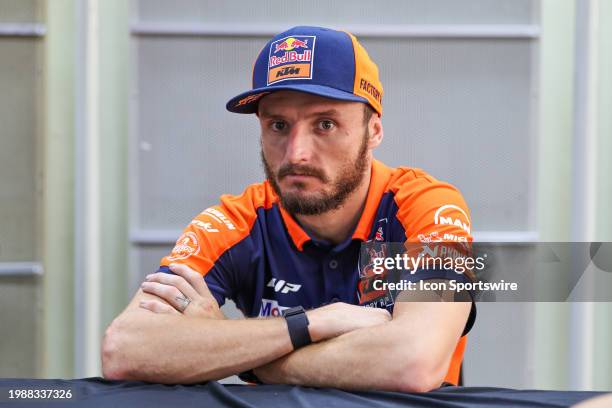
(315, 60)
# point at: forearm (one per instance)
(177, 349)
(380, 357)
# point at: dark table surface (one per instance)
(97, 392)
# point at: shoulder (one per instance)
(235, 215)
(428, 206)
(408, 182)
(244, 207)
(220, 227)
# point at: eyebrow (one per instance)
(329, 112)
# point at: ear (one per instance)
(376, 131)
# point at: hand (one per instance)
(339, 318)
(184, 293)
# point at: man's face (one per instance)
(314, 150)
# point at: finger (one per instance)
(193, 277)
(174, 280)
(158, 307)
(168, 293)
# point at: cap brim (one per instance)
(247, 102)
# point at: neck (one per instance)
(336, 225)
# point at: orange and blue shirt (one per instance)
(249, 249)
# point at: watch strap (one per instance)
(297, 324)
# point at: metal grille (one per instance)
(20, 226)
(190, 149)
(21, 11)
(460, 109)
(18, 158)
(321, 12)
(500, 347)
(21, 298)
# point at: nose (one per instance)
(299, 146)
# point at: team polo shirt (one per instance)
(251, 250)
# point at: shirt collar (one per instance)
(379, 179)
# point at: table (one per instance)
(98, 392)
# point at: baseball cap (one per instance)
(316, 60)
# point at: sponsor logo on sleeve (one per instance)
(429, 238)
(205, 226)
(218, 216)
(186, 246)
(435, 236)
(451, 214)
(453, 237)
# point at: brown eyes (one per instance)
(324, 125)
(278, 126)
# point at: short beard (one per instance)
(350, 177)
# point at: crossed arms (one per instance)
(354, 347)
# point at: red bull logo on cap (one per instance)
(290, 44)
(291, 58)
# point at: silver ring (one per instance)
(184, 301)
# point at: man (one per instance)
(291, 244)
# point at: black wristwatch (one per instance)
(297, 323)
